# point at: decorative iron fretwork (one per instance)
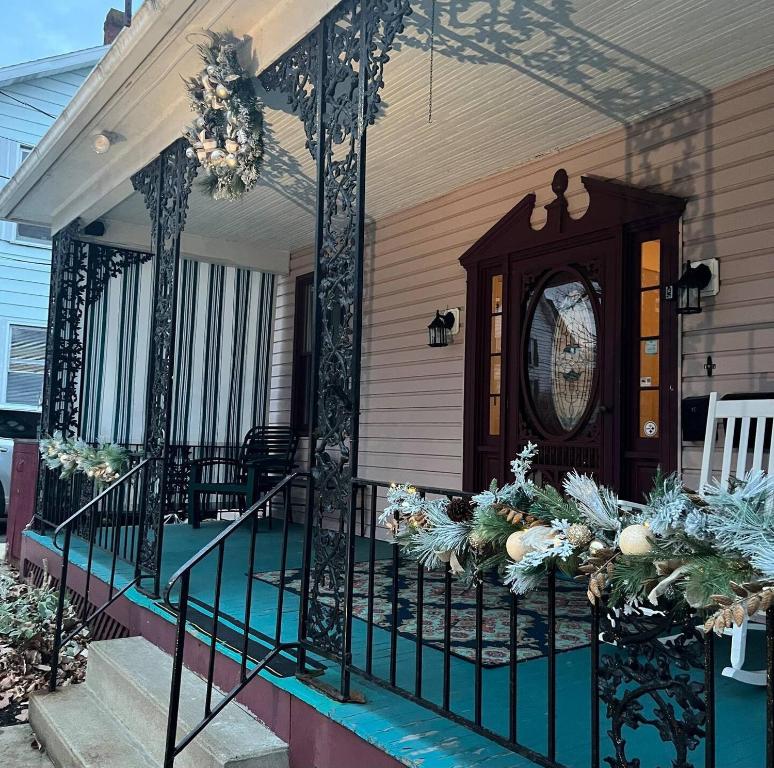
(344, 61)
(64, 345)
(654, 678)
(165, 185)
(105, 262)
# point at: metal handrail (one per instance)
(226, 533)
(86, 507)
(182, 577)
(94, 532)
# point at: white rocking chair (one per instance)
(744, 412)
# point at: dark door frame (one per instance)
(616, 214)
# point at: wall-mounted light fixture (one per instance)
(695, 278)
(101, 143)
(443, 326)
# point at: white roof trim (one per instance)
(52, 65)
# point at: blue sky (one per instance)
(33, 29)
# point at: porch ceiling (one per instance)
(511, 81)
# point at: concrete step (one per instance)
(131, 677)
(77, 732)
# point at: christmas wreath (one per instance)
(714, 551)
(227, 135)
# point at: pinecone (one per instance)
(515, 516)
(459, 510)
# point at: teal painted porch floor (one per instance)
(414, 734)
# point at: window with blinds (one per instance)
(31, 234)
(26, 362)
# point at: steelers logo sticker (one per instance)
(650, 428)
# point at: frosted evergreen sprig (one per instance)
(599, 505)
(521, 466)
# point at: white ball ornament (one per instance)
(515, 546)
(596, 545)
(635, 540)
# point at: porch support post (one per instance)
(332, 79)
(165, 185)
(64, 358)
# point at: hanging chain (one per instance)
(432, 58)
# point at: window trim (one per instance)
(14, 238)
(5, 362)
(303, 282)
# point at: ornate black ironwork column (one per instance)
(332, 79)
(64, 354)
(165, 185)
(654, 677)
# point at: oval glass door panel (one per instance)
(561, 353)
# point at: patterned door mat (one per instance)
(573, 615)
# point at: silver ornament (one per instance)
(217, 155)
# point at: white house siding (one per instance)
(718, 152)
(25, 269)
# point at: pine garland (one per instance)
(681, 546)
(104, 463)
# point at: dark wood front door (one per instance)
(569, 327)
(562, 353)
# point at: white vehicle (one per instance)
(6, 460)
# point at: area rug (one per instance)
(573, 626)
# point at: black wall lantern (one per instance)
(689, 287)
(440, 329)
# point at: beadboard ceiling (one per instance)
(512, 81)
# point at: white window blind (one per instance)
(26, 362)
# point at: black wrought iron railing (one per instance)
(110, 521)
(179, 600)
(439, 644)
(61, 495)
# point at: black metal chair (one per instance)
(266, 456)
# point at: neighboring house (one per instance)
(32, 95)
(577, 157)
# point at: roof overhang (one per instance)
(52, 65)
(135, 95)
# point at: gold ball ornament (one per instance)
(578, 534)
(635, 540)
(231, 160)
(515, 546)
(222, 92)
